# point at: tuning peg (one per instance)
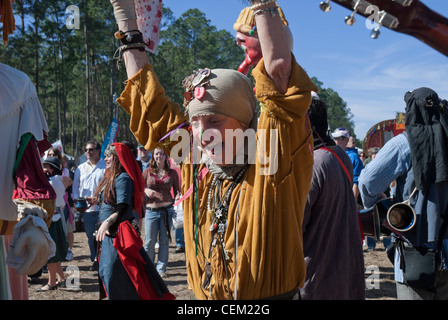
(375, 33)
(325, 6)
(350, 20)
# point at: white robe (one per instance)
(20, 112)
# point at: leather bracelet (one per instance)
(129, 37)
(261, 1)
(140, 46)
(118, 55)
(272, 10)
(261, 4)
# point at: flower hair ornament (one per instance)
(194, 85)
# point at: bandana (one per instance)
(222, 91)
(427, 128)
(129, 163)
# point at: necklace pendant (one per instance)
(218, 213)
(222, 227)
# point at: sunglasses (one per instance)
(90, 149)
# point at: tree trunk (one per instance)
(86, 46)
(36, 47)
(63, 99)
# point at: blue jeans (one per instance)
(179, 236)
(155, 229)
(91, 220)
(371, 242)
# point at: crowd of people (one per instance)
(87, 181)
(286, 230)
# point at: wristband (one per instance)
(129, 37)
(261, 4)
(272, 10)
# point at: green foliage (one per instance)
(78, 97)
(190, 43)
(77, 78)
(339, 115)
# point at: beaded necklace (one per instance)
(218, 208)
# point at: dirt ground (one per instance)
(379, 276)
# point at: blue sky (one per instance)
(372, 76)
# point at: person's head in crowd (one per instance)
(52, 166)
(93, 151)
(317, 113)
(341, 137)
(351, 142)
(215, 101)
(373, 152)
(113, 169)
(159, 161)
(143, 154)
(65, 161)
(362, 156)
(55, 152)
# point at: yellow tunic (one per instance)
(270, 258)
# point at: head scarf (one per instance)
(221, 91)
(132, 168)
(317, 113)
(427, 129)
(224, 91)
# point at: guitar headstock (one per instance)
(410, 17)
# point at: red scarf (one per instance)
(129, 163)
(129, 245)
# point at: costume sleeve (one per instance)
(152, 113)
(391, 162)
(284, 130)
(294, 103)
(124, 189)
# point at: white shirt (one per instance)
(59, 188)
(86, 180)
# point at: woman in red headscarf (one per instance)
(124, 268)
